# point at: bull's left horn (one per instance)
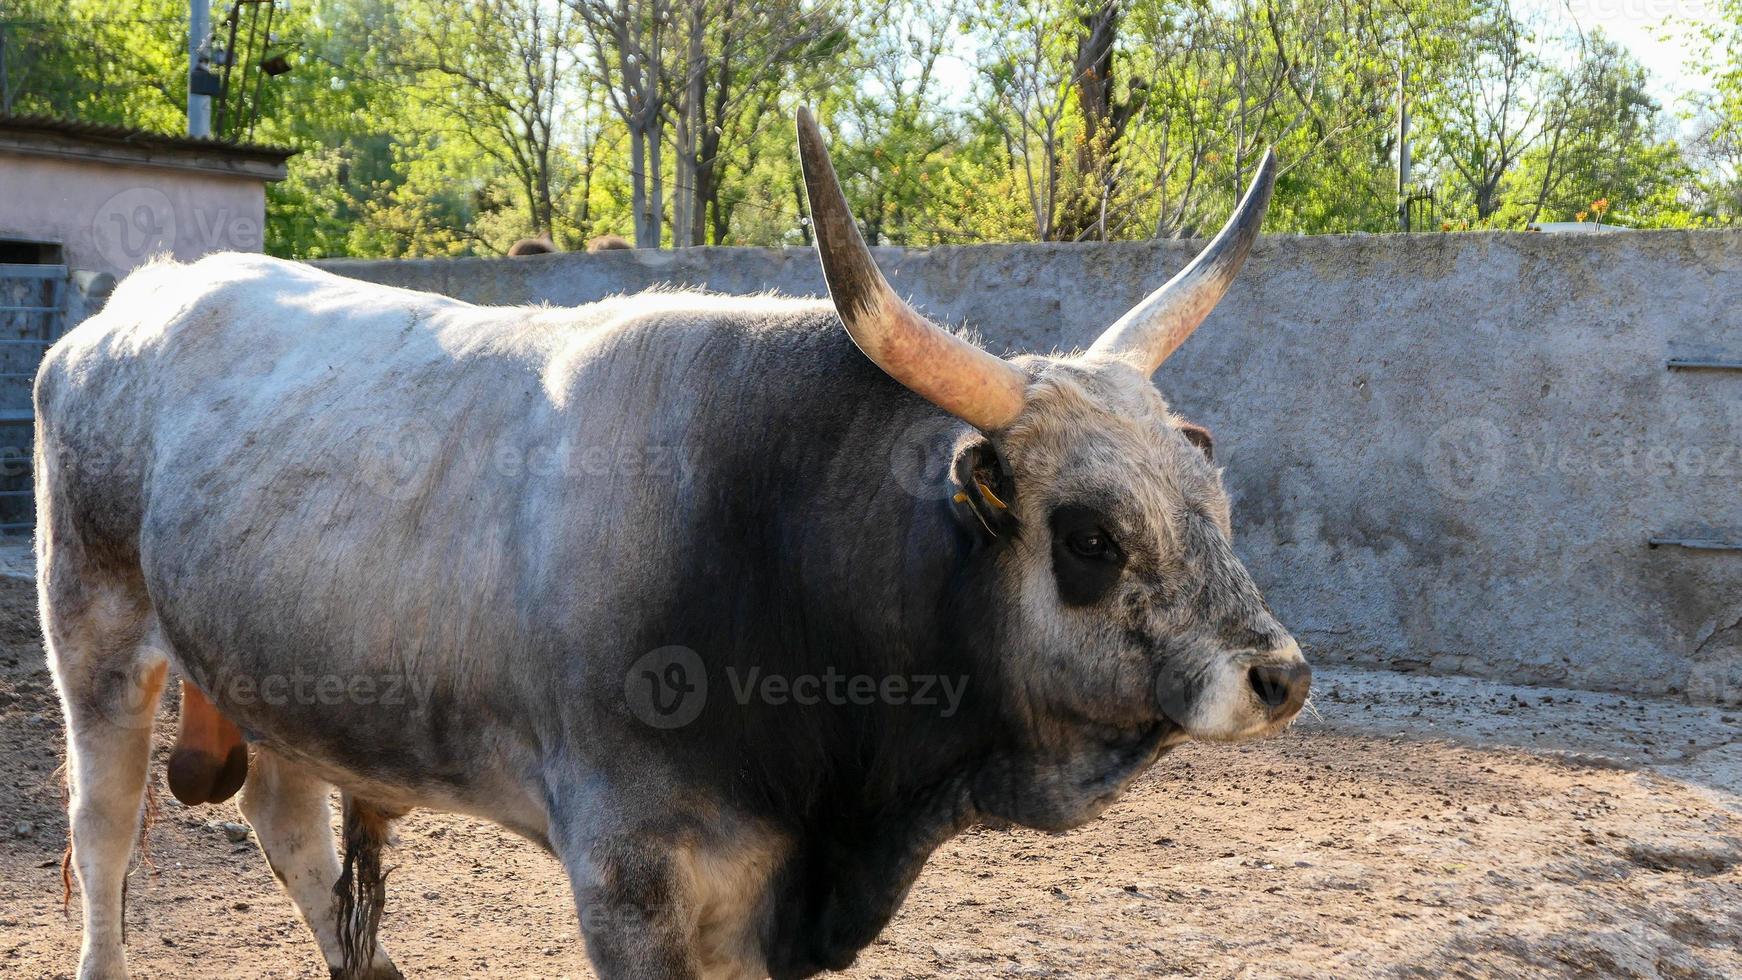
(979, 388)
(1157, 326)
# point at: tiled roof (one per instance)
(144, 139)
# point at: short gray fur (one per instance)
(1448, 452)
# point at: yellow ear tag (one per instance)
(960, 497)
(986, 492)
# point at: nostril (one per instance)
(1271, 684)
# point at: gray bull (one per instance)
(651, 582)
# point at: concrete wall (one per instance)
(1447, 451)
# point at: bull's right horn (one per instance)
(977, 387)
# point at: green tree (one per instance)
(96, 60)
(1717, 144)
(431, 127)
(1601, 145)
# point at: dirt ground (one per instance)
(1366, 844)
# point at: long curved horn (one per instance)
(977, 387)
(1157, 326)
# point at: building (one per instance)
(81, 205)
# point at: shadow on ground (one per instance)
(1425, 827)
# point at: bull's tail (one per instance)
(361, 891)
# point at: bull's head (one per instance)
(1126, 619)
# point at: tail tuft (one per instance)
(360, 894)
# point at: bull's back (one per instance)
(181, 351)
(344, 494)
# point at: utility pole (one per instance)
(199, 77)
(5, 80)
(1402, 135)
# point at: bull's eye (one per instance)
(1086, 561)
(1090, 544)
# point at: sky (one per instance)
(1654, 30)
(1660, 33)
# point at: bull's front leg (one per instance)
(846, 888)
(637, 921)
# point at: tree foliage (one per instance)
(1716, 152)
(436, 127)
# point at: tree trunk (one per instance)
(702, 176)
(544, 213)
(5, 79)
(638, 189)
(1104, 122)
(655, 215)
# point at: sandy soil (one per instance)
(1364, 845)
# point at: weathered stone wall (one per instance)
(1448, 452)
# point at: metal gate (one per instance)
(33, 315)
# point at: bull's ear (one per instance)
(1199, 436)
(985, 494)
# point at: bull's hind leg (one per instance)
(288, 809)
(97, 627)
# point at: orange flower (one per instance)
(1600, 205)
